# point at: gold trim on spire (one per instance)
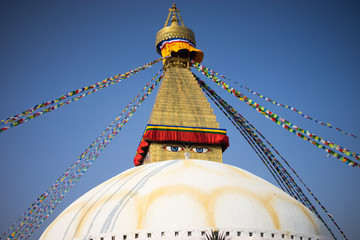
(174, 37)
(174, 30)
(174, 10)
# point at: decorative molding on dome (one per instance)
(198, 234)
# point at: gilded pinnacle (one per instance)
(174, 30)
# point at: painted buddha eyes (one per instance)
(194, 149)
(173, 148)
(199, 150)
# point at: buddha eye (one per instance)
(200, 150)
(173, 148)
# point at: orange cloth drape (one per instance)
(175, 46)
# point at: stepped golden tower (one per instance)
(182, 124)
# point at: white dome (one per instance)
(185, 198)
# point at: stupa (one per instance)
(180, 189)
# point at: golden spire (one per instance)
(175, 37)
(173, 10)
(182, 124)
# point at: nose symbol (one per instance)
(187, 155)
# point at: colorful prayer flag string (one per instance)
(251, 142)
(243, 123)
(20, 118)
(239, 120)
(289, 126)
(44, 205)
(202, 68)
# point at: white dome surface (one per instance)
(184, 195)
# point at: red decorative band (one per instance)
(163, 133)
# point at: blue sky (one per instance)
(302, 53)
